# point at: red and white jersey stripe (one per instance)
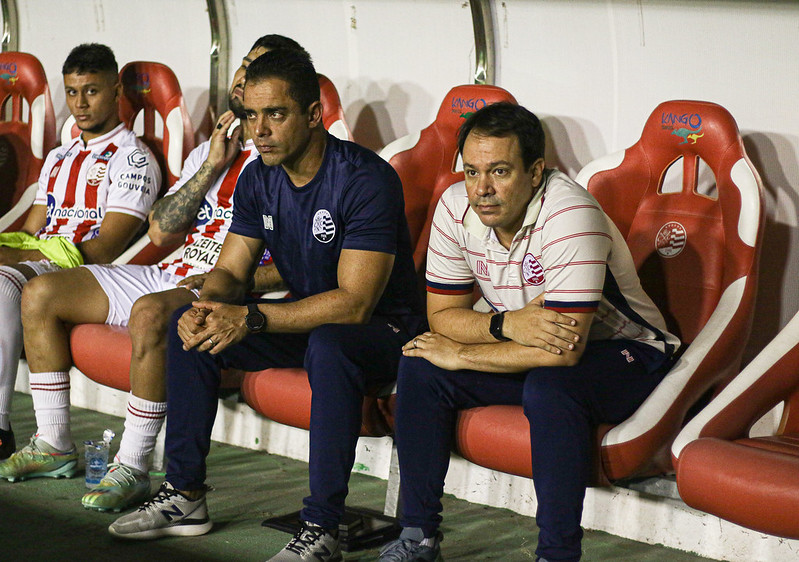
(213, 218)
(567, 248)
(80, 184)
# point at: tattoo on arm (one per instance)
(177, 212)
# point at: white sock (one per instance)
(142, 424)
(11, 284)
(50, 392)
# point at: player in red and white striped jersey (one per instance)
(92, 197)
(198, 209)
(571, 335)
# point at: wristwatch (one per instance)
(255, 319)
(495, 327)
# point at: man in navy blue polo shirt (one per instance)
(332, 214)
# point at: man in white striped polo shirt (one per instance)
(93, 195)
(571, 335)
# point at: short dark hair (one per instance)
(274, 41)
(90, 57)
(294, 67)
(504, 119)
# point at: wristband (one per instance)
(495, 327)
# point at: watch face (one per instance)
(255, 320)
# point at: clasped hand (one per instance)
(536, 326)
(212, 326)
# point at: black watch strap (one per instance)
(495, 327)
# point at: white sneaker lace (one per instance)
(305, 538)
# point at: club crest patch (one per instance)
(323, 227)
(96, 173)
(532, 271)
(670, 239)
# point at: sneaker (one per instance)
(411, 546)
(169, 513)
(313, 543)
(7, 443)
(122, 486)
(38, 459)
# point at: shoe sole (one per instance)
(182, 530)
(66, 471)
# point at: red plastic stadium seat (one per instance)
(26, 137)
(332, 110)
(102, 353)
(753, 482)
(152, 88)
(425, 162)
(697, 255)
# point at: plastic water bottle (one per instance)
(97, 458)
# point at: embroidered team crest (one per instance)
(670, 239)
(532, 271)
(96, 173)
(323, 227)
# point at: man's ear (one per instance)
(538, 172)
(315, 114)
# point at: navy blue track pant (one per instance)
(342, 362)
(563, 405)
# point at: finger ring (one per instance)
(414, 343)
(219, 125)
(211, 341)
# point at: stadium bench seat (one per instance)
(751, 481)
(27, 134)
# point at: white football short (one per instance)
(41, 267)
(123, 285)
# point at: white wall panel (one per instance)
(392, 61)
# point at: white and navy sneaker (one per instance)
(311, 543)
(412, 546)
(169, 513)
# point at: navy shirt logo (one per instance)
(323, 227)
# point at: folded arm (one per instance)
(460, 337)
